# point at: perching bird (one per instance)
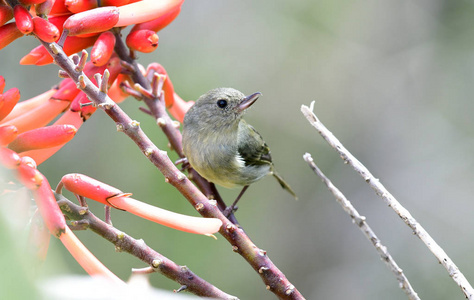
(221, 146)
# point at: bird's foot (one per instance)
(229, 210)
(183, 162)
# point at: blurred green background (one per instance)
(393, 80)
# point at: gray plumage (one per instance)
(221, 146)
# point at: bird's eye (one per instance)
(222, 103)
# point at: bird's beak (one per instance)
(249, 100)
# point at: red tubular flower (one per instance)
(162, 21)
(144, 40)
(39, 56)
(87, 21)
(29, 176)
(9, 158)
(145, 10)
(103, 48)
(7, 134)
(31, 2)
(44, 137)
(167, 218)
(23, 19)
(179, 108)
(67, 91)
(27, 105)
(6, 14)
(8, 33)
(39, 116)
(8, 100)
(68, 118)
(90, 188)
(45, 30)
(49, 209)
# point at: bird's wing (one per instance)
(251, 146)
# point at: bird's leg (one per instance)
(232, 208)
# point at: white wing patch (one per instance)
(239, 161)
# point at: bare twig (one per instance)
(402, 212)
(360, 221)
(138, 248)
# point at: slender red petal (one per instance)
(9, 158)
(144, 40)
(44, 137)
(68, 118)
(145, 10)
(27, 105)
(6, 14)
(8, 100)
(45, 30)
(87, 21)
(89, 187)
(179, 108)
(49, 209)
(30, 177)
(103, 48)
(160, 22)
(76, 6)
(7, 134)
(39, 116)
(23, 19)
(167, 218)
(8, 33)
(85, 258)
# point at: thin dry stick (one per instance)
(366, 230)
(381, 191)
(123, 242)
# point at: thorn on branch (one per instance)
(63, 74)
(82, 61)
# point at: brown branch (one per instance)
(138, 248)
(275, 281)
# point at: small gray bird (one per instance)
(221, 146)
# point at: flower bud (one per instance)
(8, 100)
(88, 21)
(162, 21)
(103, 48)
(44, 137)
(7, 134)
(45, 30)
(23, 19)
(9, 158)
(31, 2)
(142, 40)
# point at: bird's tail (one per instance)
(283, 184)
